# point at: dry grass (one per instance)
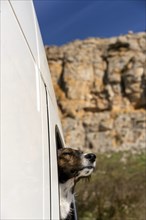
(116, 191)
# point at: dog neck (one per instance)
(66, 197)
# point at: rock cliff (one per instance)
(100, 86)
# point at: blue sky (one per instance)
(62, 21)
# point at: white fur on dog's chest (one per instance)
(66, 197)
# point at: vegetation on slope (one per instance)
(116, 191)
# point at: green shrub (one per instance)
(116, 191)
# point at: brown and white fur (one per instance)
(72, 166)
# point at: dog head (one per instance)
(74, 164)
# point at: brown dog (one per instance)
(72, 166)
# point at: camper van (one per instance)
(31, 131)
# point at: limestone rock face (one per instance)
(100, 86)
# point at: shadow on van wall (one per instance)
(116, 191)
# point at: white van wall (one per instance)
(29, 180)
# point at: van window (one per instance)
(59, 145)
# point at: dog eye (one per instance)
(79, 153)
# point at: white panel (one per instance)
(34, 39)
(24, 150)
(25, 15)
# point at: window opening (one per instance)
(59, 145)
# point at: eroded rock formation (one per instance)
(100, 86)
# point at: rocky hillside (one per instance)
(100, 86)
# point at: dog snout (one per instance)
(91, 157)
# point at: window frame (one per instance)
(59, 145)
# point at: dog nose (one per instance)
(90, 157)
